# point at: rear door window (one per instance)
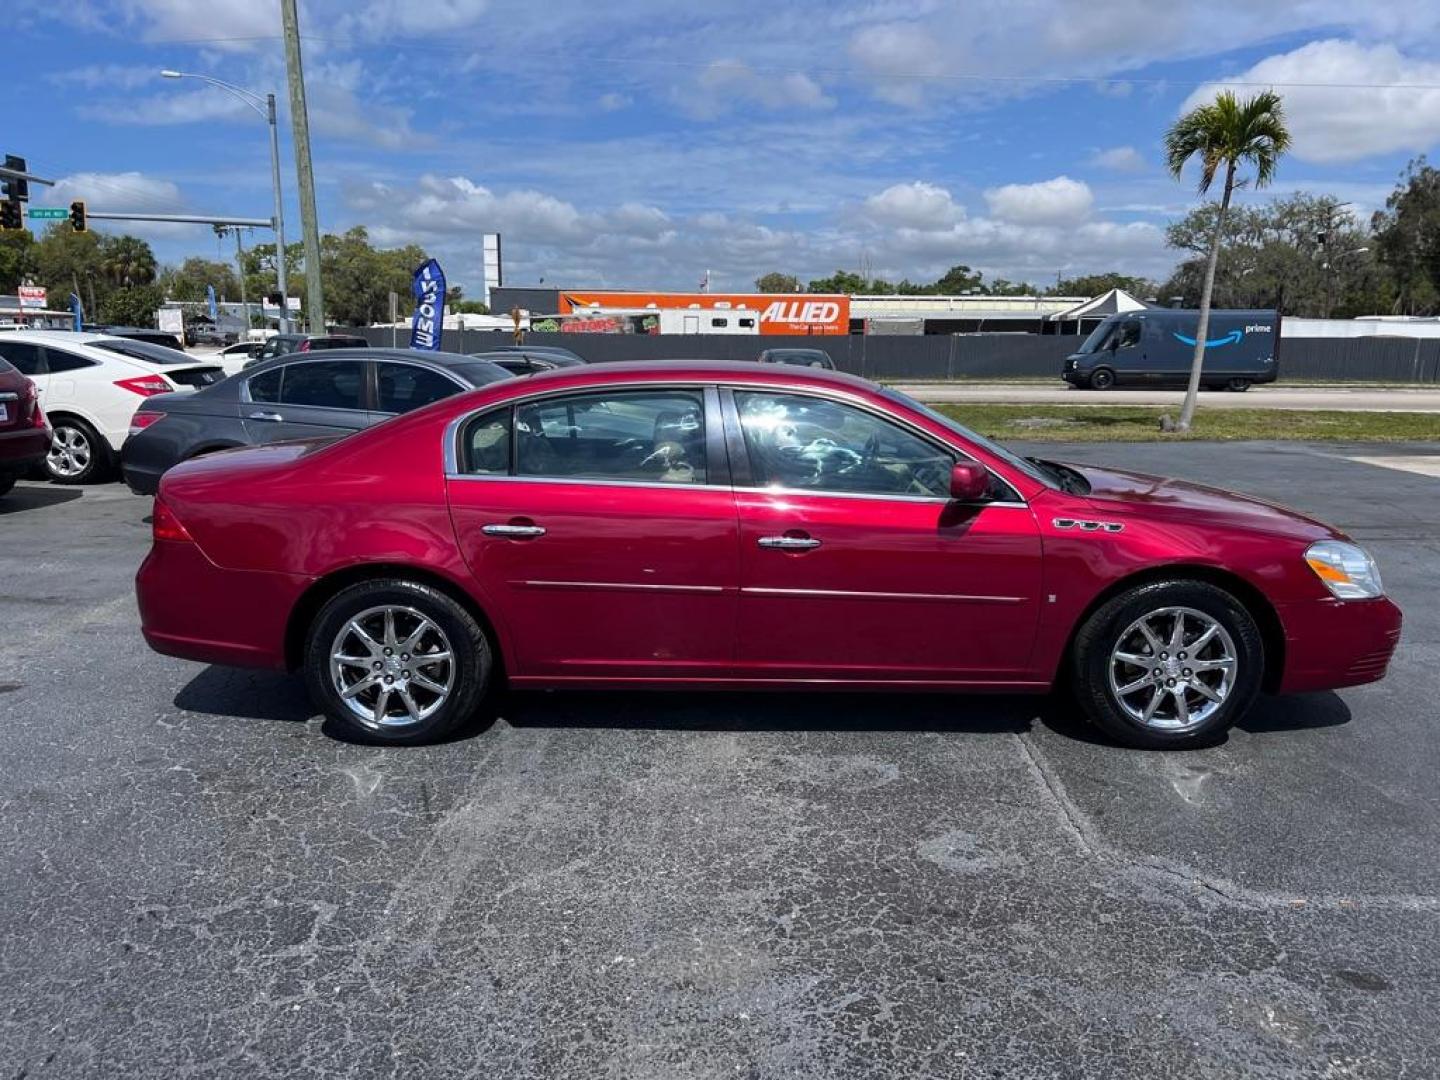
(266, 385)
(654, 436)
(403, 387)
(58, 361)
(324, 384)
(24, 356)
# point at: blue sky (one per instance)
(640, 143)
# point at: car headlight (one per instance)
(1347, 570)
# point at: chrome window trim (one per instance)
(671, 486)
(451, 444)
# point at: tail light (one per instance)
(145, 385)
(164, 525)
(40, 420)
(141, 420)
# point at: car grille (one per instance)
(1372, 665)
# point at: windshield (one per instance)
(1097, 337)
(1020, 464)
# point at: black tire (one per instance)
(71, 437)
(6, 483)
(1105, 631)
(1102, 379)
(1238, 385)
(469, 677)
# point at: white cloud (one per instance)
(915, 205)
(107, 76)
(1060, 201)
(123, 192)
(1357, 118)
(613, 102)
(726, 85)
(1119, 158)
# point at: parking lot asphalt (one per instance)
(197, 880)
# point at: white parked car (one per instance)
(90, 392)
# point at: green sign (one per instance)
(47, 213)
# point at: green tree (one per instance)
(1407, 239)
(17, 261)
(471, 307)
(1302, 253)
(1224, 134)
(842, 281)
(958, 280)
(127, 261)
(65, 261)
(776, 282)
(187, 282)
(131, 305)
(1099, 284)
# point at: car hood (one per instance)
(1161, 498)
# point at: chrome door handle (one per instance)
(513, 531)
(273, 417)
(789, 543)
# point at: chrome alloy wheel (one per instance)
(1171, 669)
(69, 453)
(392, 667)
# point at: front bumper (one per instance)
(1333, 643)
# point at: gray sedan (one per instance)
(300, 396)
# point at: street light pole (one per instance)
(253, 100)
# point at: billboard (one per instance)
(780, 313)
(32, 296)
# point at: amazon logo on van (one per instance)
(1234, 337)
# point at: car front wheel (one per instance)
(1169, 664)
(395, 662)
(1102, 379)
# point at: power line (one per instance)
(570, 58)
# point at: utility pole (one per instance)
(244, 303)
(300, 125)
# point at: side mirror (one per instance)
(969, 481)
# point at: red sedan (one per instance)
(696, 524)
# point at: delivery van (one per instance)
(1155, 347)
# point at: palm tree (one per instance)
(1227, 132)
(127, 260)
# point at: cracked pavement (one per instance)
(197, 881)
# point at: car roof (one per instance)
(699, 371)
(373, 352)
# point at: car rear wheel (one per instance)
(77, 453)
(1102, 379)
(1168, 665)
(398, 663)
(1238, 385)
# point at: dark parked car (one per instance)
(548, 350)
(292, 397)
(24, 431)
(522, 361)
(814, 358)
(140, 333)
(284, 344)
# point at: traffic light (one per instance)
(16, 187)
(77, 215)
(10, 216)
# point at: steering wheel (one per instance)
(871, 453)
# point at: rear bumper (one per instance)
(23, 449)
(141, 479)
(1335, 643)
(193, 609)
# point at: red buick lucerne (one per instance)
(711, 525)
